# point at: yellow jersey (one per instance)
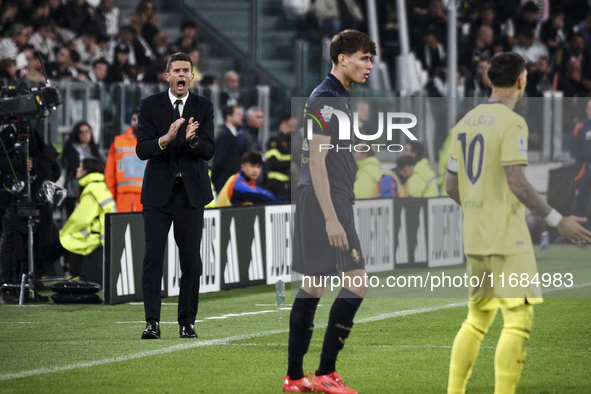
(487, 139)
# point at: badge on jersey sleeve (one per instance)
(522, 144)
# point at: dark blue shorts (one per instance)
(312, 253)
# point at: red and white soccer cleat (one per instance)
(302, 385)
(331, 384)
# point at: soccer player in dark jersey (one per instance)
(325, 240)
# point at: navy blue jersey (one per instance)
(340, 163)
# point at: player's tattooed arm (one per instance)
(525, 192)
(451, 186)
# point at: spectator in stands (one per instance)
(127, 36)
(187, 41)
(79, 146)
(83, 233)
(248, 135)
(8, 14)
(107, 18)
(482, 50)
(433, 19)
(159, 46)
(394, 183)
(144, 20)
(124, 172)
(540, 79)
(195, 55)
(230, 94)
(423, 182)
(585, 29)
(368, 174)
(34, 72)
(529, 50)
(77, 15)
(99, 71)
(44, 40)
(278, 158)
(8, 72)
(57, 12)
(337, 15)
(226, 160)
(88, 48)
(121, 70)
(571, 83)
(432, 55)
(580, 150)
(65, 66)
(155, 73)
(556, 31)
(17, 38)
(527, 20)
(578, 51)
(242, 189)
(488, 17)
(478, 84)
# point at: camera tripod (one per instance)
(28, 209)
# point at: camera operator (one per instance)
(42, 165)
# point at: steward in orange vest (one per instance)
(124, 172)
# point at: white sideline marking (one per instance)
(191, 345)
(406, 346)
(225, 341)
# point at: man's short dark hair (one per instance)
(530, 6)
(101, 60)
(417, 148)
(286, 117)
(178, 57)
(74, 55)
(188, 24)
(253, 158)
(404, 161)
(135, 111)
(504, 69)
(350, 41)
(228, 110)
(91, 165)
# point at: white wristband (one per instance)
(553, 218)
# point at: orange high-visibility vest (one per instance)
(124, 172)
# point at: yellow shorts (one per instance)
(510, 285)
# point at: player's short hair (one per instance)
(178, 57)
(404, 161)
(90, 164)
(350, 41)
(228, 110)
(504, 69)
(417, 148)
(253, 158)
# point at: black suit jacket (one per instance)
(155, 118)
(226, 161)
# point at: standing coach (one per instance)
(175, 134)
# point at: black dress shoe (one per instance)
(152, 330)
(187, 331)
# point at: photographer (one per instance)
(42, 165)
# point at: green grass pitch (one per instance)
(398, 345)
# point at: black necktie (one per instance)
(175, 161)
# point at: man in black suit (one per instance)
(176, 188)
(226, 161)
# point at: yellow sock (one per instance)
(466, 347)
(463, 355)
(510, 353)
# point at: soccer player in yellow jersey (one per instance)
(486, 177)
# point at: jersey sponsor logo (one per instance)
(522, 144)
(126, 280)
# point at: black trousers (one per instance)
(188, 227)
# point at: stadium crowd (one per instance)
(85, 40)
